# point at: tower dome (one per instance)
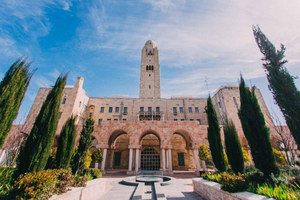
(150, 42)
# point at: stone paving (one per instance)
(181, 189)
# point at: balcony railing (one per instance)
(148, 114)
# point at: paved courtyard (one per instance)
(182, 188)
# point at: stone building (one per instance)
(149, 132)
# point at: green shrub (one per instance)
(95, 173)
(233, 182)
(211, 176)
(43, 184)
(279, 192)
(97, 156)
(5, 181)
(204, 153)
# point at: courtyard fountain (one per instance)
(148, 184)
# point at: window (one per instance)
(175, 119)
(59, 115)
(79, 104)
(99, 121)
(149, 74)
(117, 158)
(199, 121)
(117, 110)
(90, 115)
(115, 119)
(125, 109)
(181, 109)
(157, 109)
(149, 109)
(102, 109)
(175, 110)
(180, 159)
(149, 86)
(234, 101)
(147, 68)
(141, 109)
(110, 109)
(191, 119)
(108, 119)
(196, 110)
(190, 110)
(64, 101)
(124, 119)
(182, 120)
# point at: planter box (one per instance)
(94, 189)
(212, 191)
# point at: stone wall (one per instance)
(212, 191)
(93, 190)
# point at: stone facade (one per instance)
(129, 130)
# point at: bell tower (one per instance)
(150, 72)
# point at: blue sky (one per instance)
(102, 41)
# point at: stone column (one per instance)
(170, 160)
(103, 161)
(130, 161)
(163, 155)
(133, 159)
(137, 156)
(196, 159)
(167, 159)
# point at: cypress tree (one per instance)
(12, 91)
(233, 147)
(85, 143)
(214, 137)
(65, 145)
(256, 132)
(34, 155)
(281, 83)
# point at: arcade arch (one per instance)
(118, 152)
(144, 149)
(150, 152)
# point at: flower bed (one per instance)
(284, 187)
(43, 184)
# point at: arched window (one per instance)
(64, 100)
(234, 101)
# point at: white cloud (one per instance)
(200, 38)
(41, 81)
(55, 73)
(8, 47)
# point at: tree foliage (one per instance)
(281, 83)
(246, 155)
(97, 156)
(233, 147)
(12, 90)
(34, 155)
(65, 145)
(214, 137)
(204, 153)
(279, 157)
(256, 132)
(85, 143)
